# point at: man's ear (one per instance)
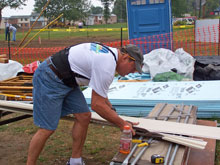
(125, 56)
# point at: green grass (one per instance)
(116, 25)
(52, 35)
(65, 34)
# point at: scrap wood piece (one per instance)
(16, 87)
(26, 93)
(18, 83)
(3, 56)
(185, 141)
(17, 78)
(22, 80)
(3, 60)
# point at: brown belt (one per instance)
(49, 63)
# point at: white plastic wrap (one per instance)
(163, 60)
(10, 69)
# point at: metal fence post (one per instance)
(121, 36)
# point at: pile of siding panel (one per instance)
(139, 98)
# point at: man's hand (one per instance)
(131, 124)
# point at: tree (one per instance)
(210, 6)
(10, 3)
(179, 7)
(72, 10)
(96, 10)
(120, 10)
(106, 4)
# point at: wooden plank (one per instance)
(18, 83)
(3, 56)
(171, 127)
(3, 60)
(27, 93)
(207, 156)
(15, 87)
(17, 78)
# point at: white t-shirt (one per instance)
(12, 28)
(94, 62)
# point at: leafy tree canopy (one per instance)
(106, 4)
(120, 10)
(96, 10)
(179, 7)
(210, 6)
(10, 3)
(72, 10)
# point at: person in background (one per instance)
(57, 93)
(13, 30)
(80, 25)
(6, 30)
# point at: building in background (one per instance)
(24, 21)
(41, 22)
(95, 19)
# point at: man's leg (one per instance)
(36, 145)
(6, 34)
(79, 133)
(14, 35)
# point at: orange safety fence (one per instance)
(197, 42)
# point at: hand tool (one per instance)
(143, 144)
(138, 141)
(141, 152)
(157, 159)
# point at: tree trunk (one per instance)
(0, 16)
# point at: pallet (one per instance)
(17, 88)
(3, 58)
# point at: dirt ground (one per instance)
(101, 145)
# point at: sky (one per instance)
(26, 10)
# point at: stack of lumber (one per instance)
(3, 58)
(139, 98)
(17, 88)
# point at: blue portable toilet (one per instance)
(149, 18)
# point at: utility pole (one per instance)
(200, 8)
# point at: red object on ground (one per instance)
(30, 68)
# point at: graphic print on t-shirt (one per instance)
(98, 48)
